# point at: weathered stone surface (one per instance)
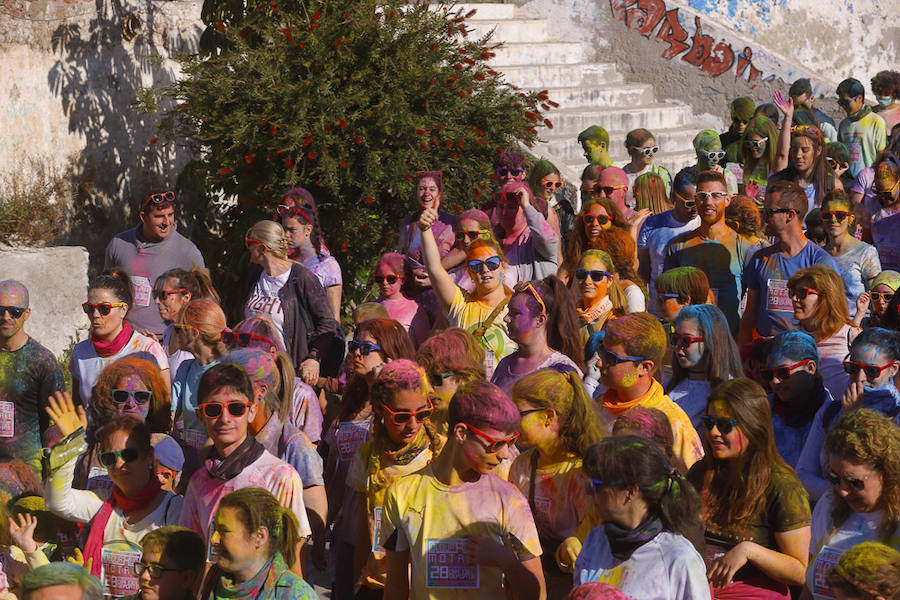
(57, 280)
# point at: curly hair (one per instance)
(453, 350)
(868, 437)
(159, 417)
(577, 242)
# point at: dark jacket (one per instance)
(310, 329)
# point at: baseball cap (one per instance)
(167, 451)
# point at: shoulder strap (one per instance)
(482, 329)
(532, 483)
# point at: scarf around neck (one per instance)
(623, 542)
(260, 586)
(93, 547)
(233, 465)
(591, 314)
(612, 402)
(105, 349)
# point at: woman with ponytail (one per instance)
(112, 337)
(198, 328)
(172, 291)
(541, 319)
(558, 426)
(293, 297)
(755, 508)
(650, 541)
(402, 441)
(254, 540)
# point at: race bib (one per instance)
(777, 296)
(118, 574)
(448, 564)
(7, 419)
(143, 291)
(825, 561)
(855, 150)
(98, 479)
(542, 507)
(350, 436)
(376, 533)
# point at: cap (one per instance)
(167, 451)
(800, 87)
(707, 139)
(742, 108)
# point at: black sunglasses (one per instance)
(722, 424)
(244, 339)
(601, 219)
(364, 348)
(391, 279)
(140, 396)
(156, 570)
(213, 409)
(14, 311)
(108, 458)
(853, 483)
(437, 379)
(503, 172)
(477, 266)
(595, 275)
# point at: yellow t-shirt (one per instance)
(687, 447)
(469, 315)
(433, 521)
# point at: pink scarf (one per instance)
(93, 547)
(104, 348)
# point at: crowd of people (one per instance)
(656, 386)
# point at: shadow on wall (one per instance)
(101, 67)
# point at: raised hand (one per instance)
(785, 105)
(22, 532)
(65, 414)
(427, 219)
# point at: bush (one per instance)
(347, 99)
(35, 203)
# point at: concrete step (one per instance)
(560, 75)
(512, 30)
(546, 53)
(616, 94)
(650, 116)
(567, 148)
(493, 12)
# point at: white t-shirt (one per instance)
(85, 365)
(264, 299)
(667, 567)
(634, 299)
(827, 543)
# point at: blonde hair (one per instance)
(207, 318)
(615, 293)
(649, 191)
(271, 235)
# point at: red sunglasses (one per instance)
(494, 445)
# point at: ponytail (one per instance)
(289, 536)
(679, 505)
(116, 281)
(286, 386)
(563, 324)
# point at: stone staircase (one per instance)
(588, 92)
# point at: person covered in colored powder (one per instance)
(595, 142)
(710, 155)
(455, 527)
(412, 313)
(863, 131)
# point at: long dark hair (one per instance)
(301, 198)
(562, 319)
(633, 461)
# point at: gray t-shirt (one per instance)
(144, 261)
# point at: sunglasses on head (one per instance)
(782, 373)
(108, 457)
(163, 295)
(601, 219)
(886, 296)
(391, 279)
(681, 340)
(801, 293)
(553, 185)
(477, 266)
(14, 311)
(504, 172)
(646, 151)
(714, 156)
(493, 444)
(606, 190)
(249, 243)
(161, 198)
(885, 195)
(236, 408)
(594, 274)
(437, 379)
(722, 424)
(290, 212)
(140, 396)
(526, 287)
(612, 359)
(401, 417)
(756, 144)
(836, 216)
(871, 371)
(364, 348)
(473, 235)
(857, 485)
(245, 339)
(104, 308)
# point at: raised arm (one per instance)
(786, 106)
(544, 239)
(441, 282)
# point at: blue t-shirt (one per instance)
(653, 222)
(767, 273)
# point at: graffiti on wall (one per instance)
(653, 18)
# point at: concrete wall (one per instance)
(707, 52)
(57, 280)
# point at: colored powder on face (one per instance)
(16, 290)
(707, 140)
(629, 379)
